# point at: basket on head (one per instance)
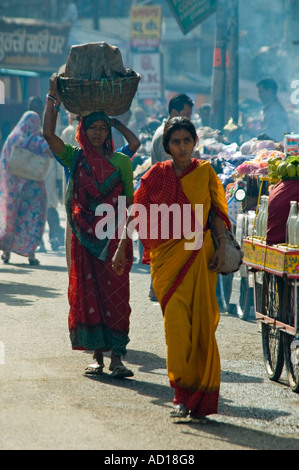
(95, 79)
(112, 95)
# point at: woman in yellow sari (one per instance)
(184, 273)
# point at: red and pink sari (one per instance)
(23, 203)
(99, 298)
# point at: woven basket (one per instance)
(112, 95)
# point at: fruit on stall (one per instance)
(291, 170)
(282, 169)
(273, 165)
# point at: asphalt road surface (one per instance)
(47, 403)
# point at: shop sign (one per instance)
(148, 65)
(190, 13)
(146, 26)
(32, 45)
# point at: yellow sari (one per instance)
(186, 290)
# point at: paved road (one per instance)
(47, 403)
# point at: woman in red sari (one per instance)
(98, 297)
(184, 273)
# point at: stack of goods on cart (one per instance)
(263, 159)
(223, 156)
(259, 157)
(289, 168)
(274, 167)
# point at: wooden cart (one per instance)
(276, 302)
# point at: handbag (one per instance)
(234, 254)
(28, 165)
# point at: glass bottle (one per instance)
(251, 217)
(296, 239)
(292, 219)
(258, 220)
(239, 228)
(264, 219)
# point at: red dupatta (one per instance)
(94, 181)
(158, 187)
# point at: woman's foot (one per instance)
(97, 368)
(98, 357)
(118, 369)
(179, 411)
(32, 260)
(5, 257)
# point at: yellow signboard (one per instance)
(146, 25)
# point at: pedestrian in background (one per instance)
(179, 105)
(23, 202)
(275, 119)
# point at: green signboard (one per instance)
(190, 13)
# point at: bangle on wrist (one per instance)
(57, 107)
(50, 97)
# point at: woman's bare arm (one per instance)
(50, 117)
(218, 227)
(119, 258)
(131, 138)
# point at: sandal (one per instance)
(33, 262)
(120, 372)
(94, 369)
(179, 411)
(5, 258)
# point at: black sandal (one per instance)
(5, 259)
(33, 262)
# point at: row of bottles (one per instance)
(292, 229)
(245, 222)
(244, 225)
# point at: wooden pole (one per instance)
(219, 67)
(232, 75)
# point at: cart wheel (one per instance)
(272, 298)
(290, 342)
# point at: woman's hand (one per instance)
(218, 258)
(113, 121)
(53, 86)
(119, 258)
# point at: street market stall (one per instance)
(274, 263)
(276, 297)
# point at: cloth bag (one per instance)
(28, 165)
(234, 254)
